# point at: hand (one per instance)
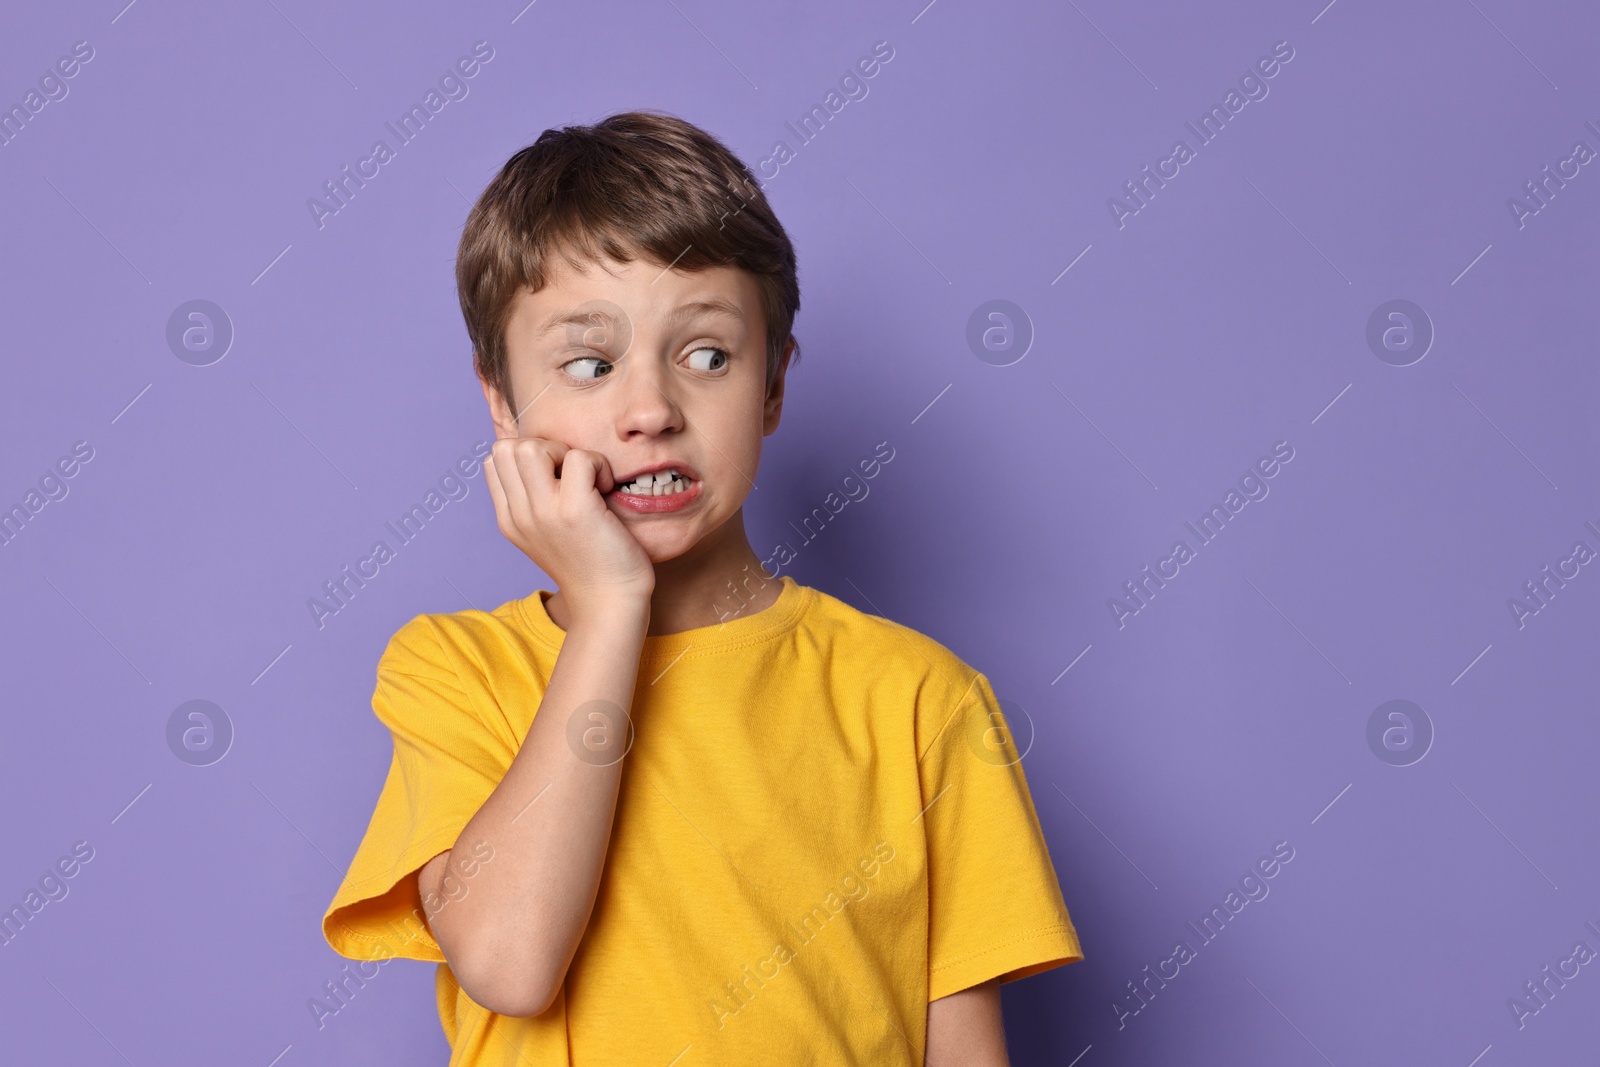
(548, 502)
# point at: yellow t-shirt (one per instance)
(822, 825)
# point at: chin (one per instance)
(662, 549)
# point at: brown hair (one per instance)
(636, 183)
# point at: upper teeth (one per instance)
(660, 483)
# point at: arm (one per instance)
(967, 1029)
(510, 936)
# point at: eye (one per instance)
(599, 371)
(697, 357)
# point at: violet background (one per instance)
(1229, 314)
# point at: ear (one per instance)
(505, 424)
(772, 409)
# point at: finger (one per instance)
(600, 473)
(508, 472)
(497, 493)
(579, 472)
(605, 478)
(538, 464)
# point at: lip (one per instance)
(655, 505)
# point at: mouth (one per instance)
(665, 487)
(664, 479)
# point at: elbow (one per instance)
(519, 986)
(518, 1001)
(511, 1002)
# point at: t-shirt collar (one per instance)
(735, 632)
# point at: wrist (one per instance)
(612, 612)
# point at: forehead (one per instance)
(643, 293)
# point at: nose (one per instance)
(644, 396)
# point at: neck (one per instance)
(718, 580)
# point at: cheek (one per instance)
(738, 450)
(539, 397)
(561, 418)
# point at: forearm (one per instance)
(510, 939)
(967, 1029)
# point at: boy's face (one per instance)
(618, 359)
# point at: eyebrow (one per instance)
(683, 312)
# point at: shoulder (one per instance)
(889, 652)
(437, 679)
(451, 645)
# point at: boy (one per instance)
(638, 820)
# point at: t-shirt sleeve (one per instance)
(995, 906)
(446, 762)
